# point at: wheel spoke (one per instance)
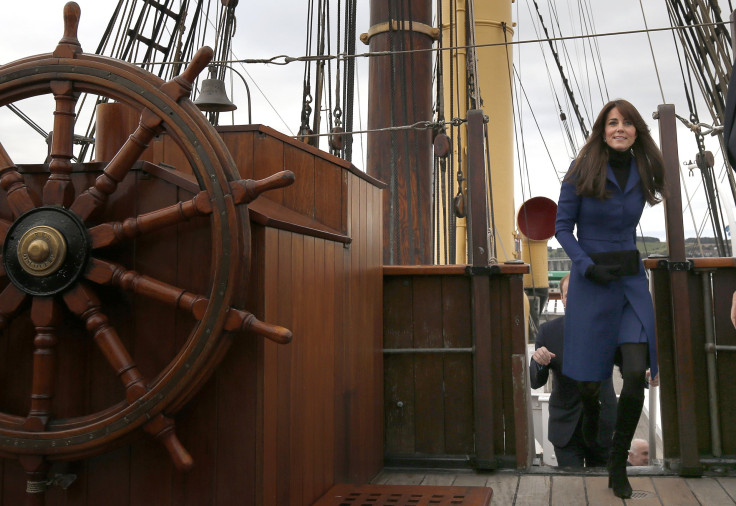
(243, 191)
(20, 198)
(58, 189)
(162, 428)
(96, 196)
(82, 301)
(36, 468)
(149, 126)
(11, 299)
(247, 190)
(108, 273)
(107, 234)
(45, 315)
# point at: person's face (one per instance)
(639, 456)
(563, 291)
(620, 132)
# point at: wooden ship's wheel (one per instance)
(54, 264)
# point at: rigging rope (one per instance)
(565, 82)
(651, 50)
(286, 59)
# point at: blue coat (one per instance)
(593, 312)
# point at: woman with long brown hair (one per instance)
(609, 308)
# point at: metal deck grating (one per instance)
(404, 495)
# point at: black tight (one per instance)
(633, 368)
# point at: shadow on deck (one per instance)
(550, 487)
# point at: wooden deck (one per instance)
(537, 489)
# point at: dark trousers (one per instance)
(577, 454)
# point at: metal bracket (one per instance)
(687, 265)
(394, 26)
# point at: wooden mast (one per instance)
(400, 94)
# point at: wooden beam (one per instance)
(684, 367)
(477, 187)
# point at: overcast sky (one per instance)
(267, 29)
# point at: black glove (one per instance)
(603, 274)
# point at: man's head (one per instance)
(563, 289)
(639, 453)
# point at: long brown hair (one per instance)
(589, 170)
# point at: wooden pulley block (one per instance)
(336, 138)
(458, 203)
(441, 145)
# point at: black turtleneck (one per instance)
(620, 162)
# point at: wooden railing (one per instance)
(709, 285)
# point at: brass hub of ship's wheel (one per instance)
(46, 250)
(64, 251)
(41, 250)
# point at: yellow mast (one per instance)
(492, 25)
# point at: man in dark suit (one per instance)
(565, 406)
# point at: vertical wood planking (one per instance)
(152, 342)
(300, 197)
(375, 319)
(108, 478)
(268, 158)
(197, 420)
(309, 381)
(285, 440)
(497, 359)
(240, 146)
(697, 345)
(428, 380)
(351, 325)
(326, 421)
(458, 368)
(399, 368)
(197, 486)
(340, 395)
(328, 195)
(666, 356)
(724, 282)
(13, 483)
(236, 396)
(297, 401)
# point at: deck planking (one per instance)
(514, 489)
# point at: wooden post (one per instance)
(477, 186)
(678, 266)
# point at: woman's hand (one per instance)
(733, 309)
(603, 274)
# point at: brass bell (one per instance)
(213, 97)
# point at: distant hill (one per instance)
(654, 246)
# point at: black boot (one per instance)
(590, 395)
(627, 418)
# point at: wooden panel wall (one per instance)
(722, 285)
(322, 394)
(430, 398)
(275, 425)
